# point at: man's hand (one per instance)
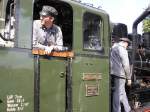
(129, 82)
(48, 49)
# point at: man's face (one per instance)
(46, 20)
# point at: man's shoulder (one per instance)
(118, 48)
(37, 23)
(56, 26)
(115, 46)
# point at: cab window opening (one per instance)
(64, 19)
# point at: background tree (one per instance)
(146, 25)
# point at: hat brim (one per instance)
(125, 40)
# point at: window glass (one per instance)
(91, 32)
(7, 23)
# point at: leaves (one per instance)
(146, 25)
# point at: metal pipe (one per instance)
(69, 86)
(139, 19)
(36, 83)
(134, 32)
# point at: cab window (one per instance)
(64, 19)
(91, 32)
(7, 23)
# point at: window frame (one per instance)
(100, 36)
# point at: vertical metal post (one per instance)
(16, 15)
(69, 86)
(36, 83)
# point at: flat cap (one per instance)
(125, 40)
(48, 11)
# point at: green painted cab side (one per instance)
(24, 24)
(86, 61)
(16, 81)
(81, 102)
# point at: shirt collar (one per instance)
(52, 29)
(121, 44)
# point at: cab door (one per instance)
(51, 80)
(52, 84)
(90, 67)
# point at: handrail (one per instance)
(68, 54)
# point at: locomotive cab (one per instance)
(73, 80)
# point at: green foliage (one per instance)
(146, 25)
